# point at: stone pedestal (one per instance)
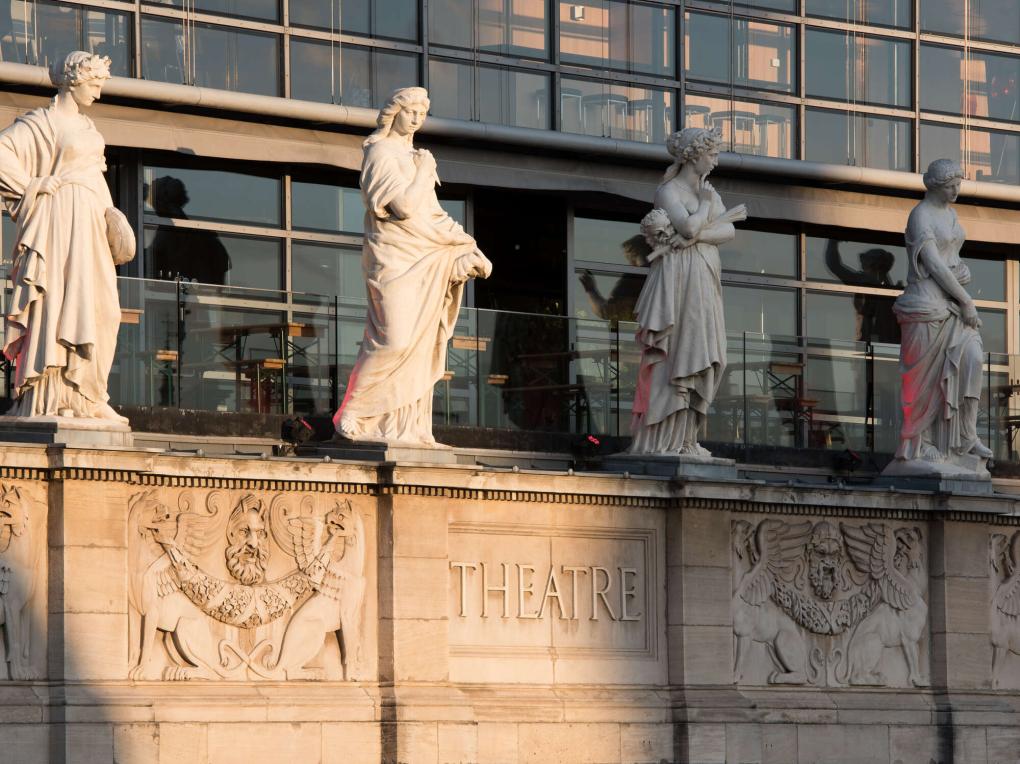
(673, 465)
(379, 451)
(71, 431)
(967, 474)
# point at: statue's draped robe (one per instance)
(940, 356)
(412, 304)
(61, 326)
(682, 335)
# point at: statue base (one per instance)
(379, 451)
(672, 465)
(964, 473)
(79, 432)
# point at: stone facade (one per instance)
(167, 608)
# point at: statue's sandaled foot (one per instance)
(105, 411)
(980, 450)
(694, 449)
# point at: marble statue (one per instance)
(679, 312)
(416, 261)
(62, 323)
(940, 352)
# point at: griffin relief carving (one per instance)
(825, 602)
(1005, 610)
(21, 546)
(200, 614)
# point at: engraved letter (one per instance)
(463, 583)
(552, 590)
(626, 592)
(505, 588)
(573, 570)
(597, 592)
(523, 589)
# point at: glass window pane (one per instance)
(450, 23)
(761, 310)
(511, 97)
(997, 20)
(942, 79)
(396, 19)
(227, 59)
(942, 141)
(764, 252)
(255, 262)
(163, 51)
(110, 34)
(862, 140)
(856, 263)
(327, 269)
(370, 75)
(322, 207)
(943, 16)
(314, 71)
(987, 279)
(888, 13)
(747, 127)
(605, 295)
(451, 89)
(175, 192)
(456, 209)
(511, 27)
(994, 156)
(707, 47)
(267, 10)
(993, 86)
(845, 67)
(56, 31)
(633, 37)
(763, 55)
(213, 258)
(615, 111)
(993, 330)
(609, 241)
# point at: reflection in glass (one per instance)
(615, 111)
(608, 296)
(764, 252)
(509, 27)
(943, 16)
(851, 67)
(747, 127)
(938, 141)
(987, 279)
(761, 55)
(887, 13)
(866, 317)
(174, 252)
(215, 195)
(348, 74)
(324, 207)
(993, 86)
(41, 33)
(856, 263)
(858, 139)
(615, 34)
(994, 156)
(505, 96)
(8, 236)
(609, 241)
(760, 310)
(327, 269)
(213, 57)
(941, 73)
(268, 10)
(396, 19)
(993, 330)
(996, 20)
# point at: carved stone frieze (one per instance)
(1005, 609)
(245, 586)
(828, 604)
(22, 541)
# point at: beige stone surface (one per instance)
(706, 538)
(968, 660)
(919, 745)
(576, 743)
(970, 744)
(832, 744)
(744, 743)
(646, 743)
(88, 743)
(960, 549)
(417, 588)
(497, 743)
(416, 528)
(94, 579)
(706, 743)
(135, 743)
(184, 743)
(419, 650)
(706, 595)
(25, 743)
(778, 743)
(411, 742)
(269, 743)
(351, 743)
(458, 743)
(94, 645)
(967, 605)
(708, 655)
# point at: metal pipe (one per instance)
(353, 116)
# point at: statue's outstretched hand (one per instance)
(470, 266)
(49, 184)
(969, 315)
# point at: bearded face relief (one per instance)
(825, 560)
(247, 550)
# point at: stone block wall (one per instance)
(161, 608)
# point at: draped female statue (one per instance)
(416, 260)
(61, 326)
(680, 312)
(940, 352)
